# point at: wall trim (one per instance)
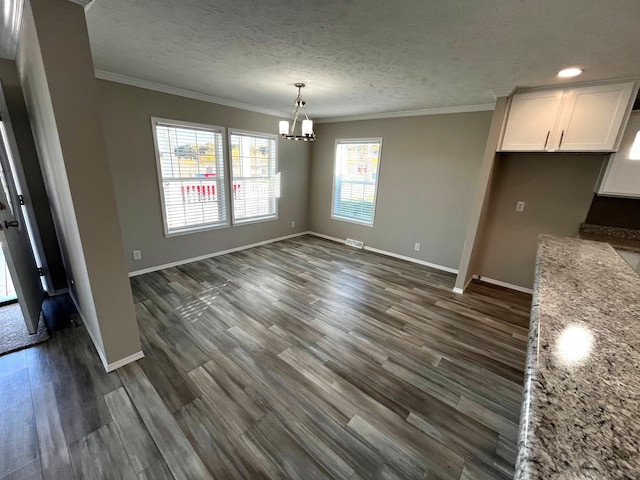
(328, 237)
(83, 3)
(503, 92)
(181, 92)
(500, 283)
(413, 260)
(458, 290)
(110, 367)
(471, 278)
(142, 271)
(391, 254)
(577, 84)
(410, 113)
(103, 359)
(124, 361)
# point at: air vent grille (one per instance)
(354, 243)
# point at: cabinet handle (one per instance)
(561, 137)
(546, 140)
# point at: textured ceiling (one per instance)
(362, 57)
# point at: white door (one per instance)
(18, 253)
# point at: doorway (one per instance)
(19, 270)
(13, 329)
(7, 290)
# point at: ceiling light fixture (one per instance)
(307, 125)
(569, 72)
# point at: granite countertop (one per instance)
(621, 238)
(581, 402)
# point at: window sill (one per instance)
(199, 229)
(255, 220)
(352, 220)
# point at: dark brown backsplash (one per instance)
(614, 212)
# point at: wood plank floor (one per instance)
(300, 359)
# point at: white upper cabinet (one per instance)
(532, 117)
(622, 176)
(585, 119)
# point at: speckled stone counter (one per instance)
(621, 238)
(581, 402)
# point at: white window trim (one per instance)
(264, 218)
(179, 123)
(343, 141)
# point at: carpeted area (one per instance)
(13, 332)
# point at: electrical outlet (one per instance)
(137, 255)
(293, 224)
(416, 247)
(520, 207)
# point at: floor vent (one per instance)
(354, 243)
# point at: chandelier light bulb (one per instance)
(307, 127)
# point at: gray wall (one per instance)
(480, 207)
(557, 189)
(126, 115)
(428, 175)
(57, 76)
(29, 159)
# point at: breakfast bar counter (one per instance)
(581, 403)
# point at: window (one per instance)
(634, 154)
(355, 179)
(192, 175)
(256, 186)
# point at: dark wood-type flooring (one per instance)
(301, 359)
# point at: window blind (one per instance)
(256, 185)
(357, 163)
(191, 170)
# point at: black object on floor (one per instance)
(60, 312)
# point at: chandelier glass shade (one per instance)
(307, 125)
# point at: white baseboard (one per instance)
(458, 290)
(499, 283)
(110, 367)
(327, 237)
(391, 254)
(122, 362)
(210, 255)
(103, 359)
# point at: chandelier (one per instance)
(307, 125)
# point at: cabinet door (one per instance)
(532, 118)
(592, 116)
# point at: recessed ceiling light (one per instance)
(570, 72)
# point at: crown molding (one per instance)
(158, 87)
(593, 83)
(84, 3)
(411, 113)
(502, 92)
